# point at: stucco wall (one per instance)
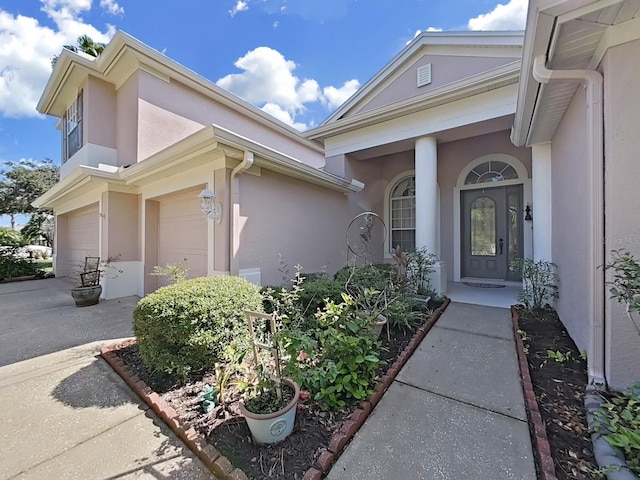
(170, 111)
(127, 121)
(100, 112)
(303, 222)
(570, 219)
(452, 158)
(445, 69)
(621, 67)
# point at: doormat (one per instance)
(483, 285)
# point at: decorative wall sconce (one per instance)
(209, 207)
(528, 213)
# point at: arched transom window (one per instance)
(489, 172)
(403, 214)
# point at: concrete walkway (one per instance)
(66, 414)
(455, 412)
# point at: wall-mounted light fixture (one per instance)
(528, 213)
(210, 208)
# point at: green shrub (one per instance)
(539, 282)
(11, 238)
(356, 279)
(13, 265)
(312, 296)
(339, 367)
(183, 329)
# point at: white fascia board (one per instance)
(80, 177)
(539, 30)
(486, 106)
(279, 162)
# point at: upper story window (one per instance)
(72, 129)
(403, 214)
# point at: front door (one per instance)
(491, 232)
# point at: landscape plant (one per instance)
(419, 267)
(625, 282)
(620, 416)
(539, 282)
(339, 361)
(174, 272)
(183, 329)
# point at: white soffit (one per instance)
(579, 41)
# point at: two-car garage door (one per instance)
(182, 233)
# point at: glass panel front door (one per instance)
(491, 231)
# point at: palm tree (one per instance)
(86, 45)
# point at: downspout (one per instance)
(592, 80)
(234, 196)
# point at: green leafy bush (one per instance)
(539, 282)
(13, 265)
(183, 329)
(377, 276)
(313, 295)
(11, 238)
(338, 363)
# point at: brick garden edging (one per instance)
(539, 438)
(218, 463)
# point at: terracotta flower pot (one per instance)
(273, 427)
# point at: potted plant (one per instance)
(270, 404)
(89, 290)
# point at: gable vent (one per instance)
(424, 75)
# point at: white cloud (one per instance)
(418, 32)
(268, 82)
(112, 7)
(268, 78)
(240, 6)
(276, 111)
(26, 49)
(511, 16)
(334, 97)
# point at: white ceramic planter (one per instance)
(273, 427)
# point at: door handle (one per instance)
(501, 245)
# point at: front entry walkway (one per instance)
(455, 411)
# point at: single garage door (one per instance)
(82, 238)
(182, 233)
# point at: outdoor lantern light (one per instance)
(209, 207)
(527, 213)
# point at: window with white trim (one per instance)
(402, 208)
(72, 129)
(489, 172)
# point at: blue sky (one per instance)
(295, 59)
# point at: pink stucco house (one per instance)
(533, 132)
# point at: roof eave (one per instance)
(506, 74)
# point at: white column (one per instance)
(541, 197)
(427, 205)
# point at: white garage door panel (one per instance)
(182, 233)
(82, 238)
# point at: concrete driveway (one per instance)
(65, 414)
(39, 317)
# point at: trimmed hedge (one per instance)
(184, 329)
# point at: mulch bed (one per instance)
(559, 377)
(313, 440)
